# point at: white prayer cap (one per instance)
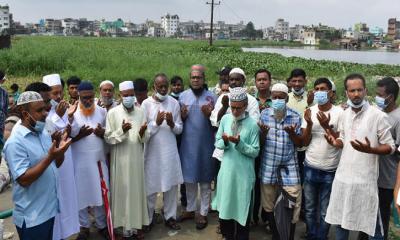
(106, 82)
(52, 79)
(238, 71)
(333, 86)
(28, 97)
(280, 87)
(126, 85)
(237, 94)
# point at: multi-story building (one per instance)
(70, 26)
(53, 26)
(5, 18)
(361, 27)
(170, 24)
(311, 36)
(282, 28)
(296, 33)
(377, 31)
(393, 29)
(155, 32)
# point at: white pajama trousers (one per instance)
(205, 195)
(170, 200)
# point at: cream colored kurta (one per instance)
(128, 193)
(162, 163)
(354, 199)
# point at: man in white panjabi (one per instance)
(126, 131)
(163, 171)
(60, 116)
(87, 151)
(364, 133)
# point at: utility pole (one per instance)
(212, 18)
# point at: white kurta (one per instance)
(128, 194)
(67, 220)
(86, 153)
(162, 163)
(354, 199)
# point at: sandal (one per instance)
(171, 223)
(186, 216)
(201, 222)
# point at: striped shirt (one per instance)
(279, 149)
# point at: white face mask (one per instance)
(128, 101)
(160, 97)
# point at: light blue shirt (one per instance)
(38, 202)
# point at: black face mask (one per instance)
(198, 91)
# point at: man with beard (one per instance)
(197, 146)
(87, 151)
(126, 131)
(106, 99)
(72, 85)
(364, 134)
(280, 136)
(61, 118)
(162, 164)
(238, 135)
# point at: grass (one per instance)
(121, 59)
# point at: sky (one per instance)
(263, 13)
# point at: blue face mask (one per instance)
(278, 104)
(128, 101)
(321, 97)
(380, 102)
(39, 125)
(353, 105)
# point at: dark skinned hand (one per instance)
(126, 126)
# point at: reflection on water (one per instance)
(312, 52)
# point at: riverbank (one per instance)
(121, 59)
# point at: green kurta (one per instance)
(236, 176)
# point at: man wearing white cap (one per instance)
(33, 161)
(126, 131)
(61, 115)
(106, 99)
(238, 136)
(237, 78)
(280, 136)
